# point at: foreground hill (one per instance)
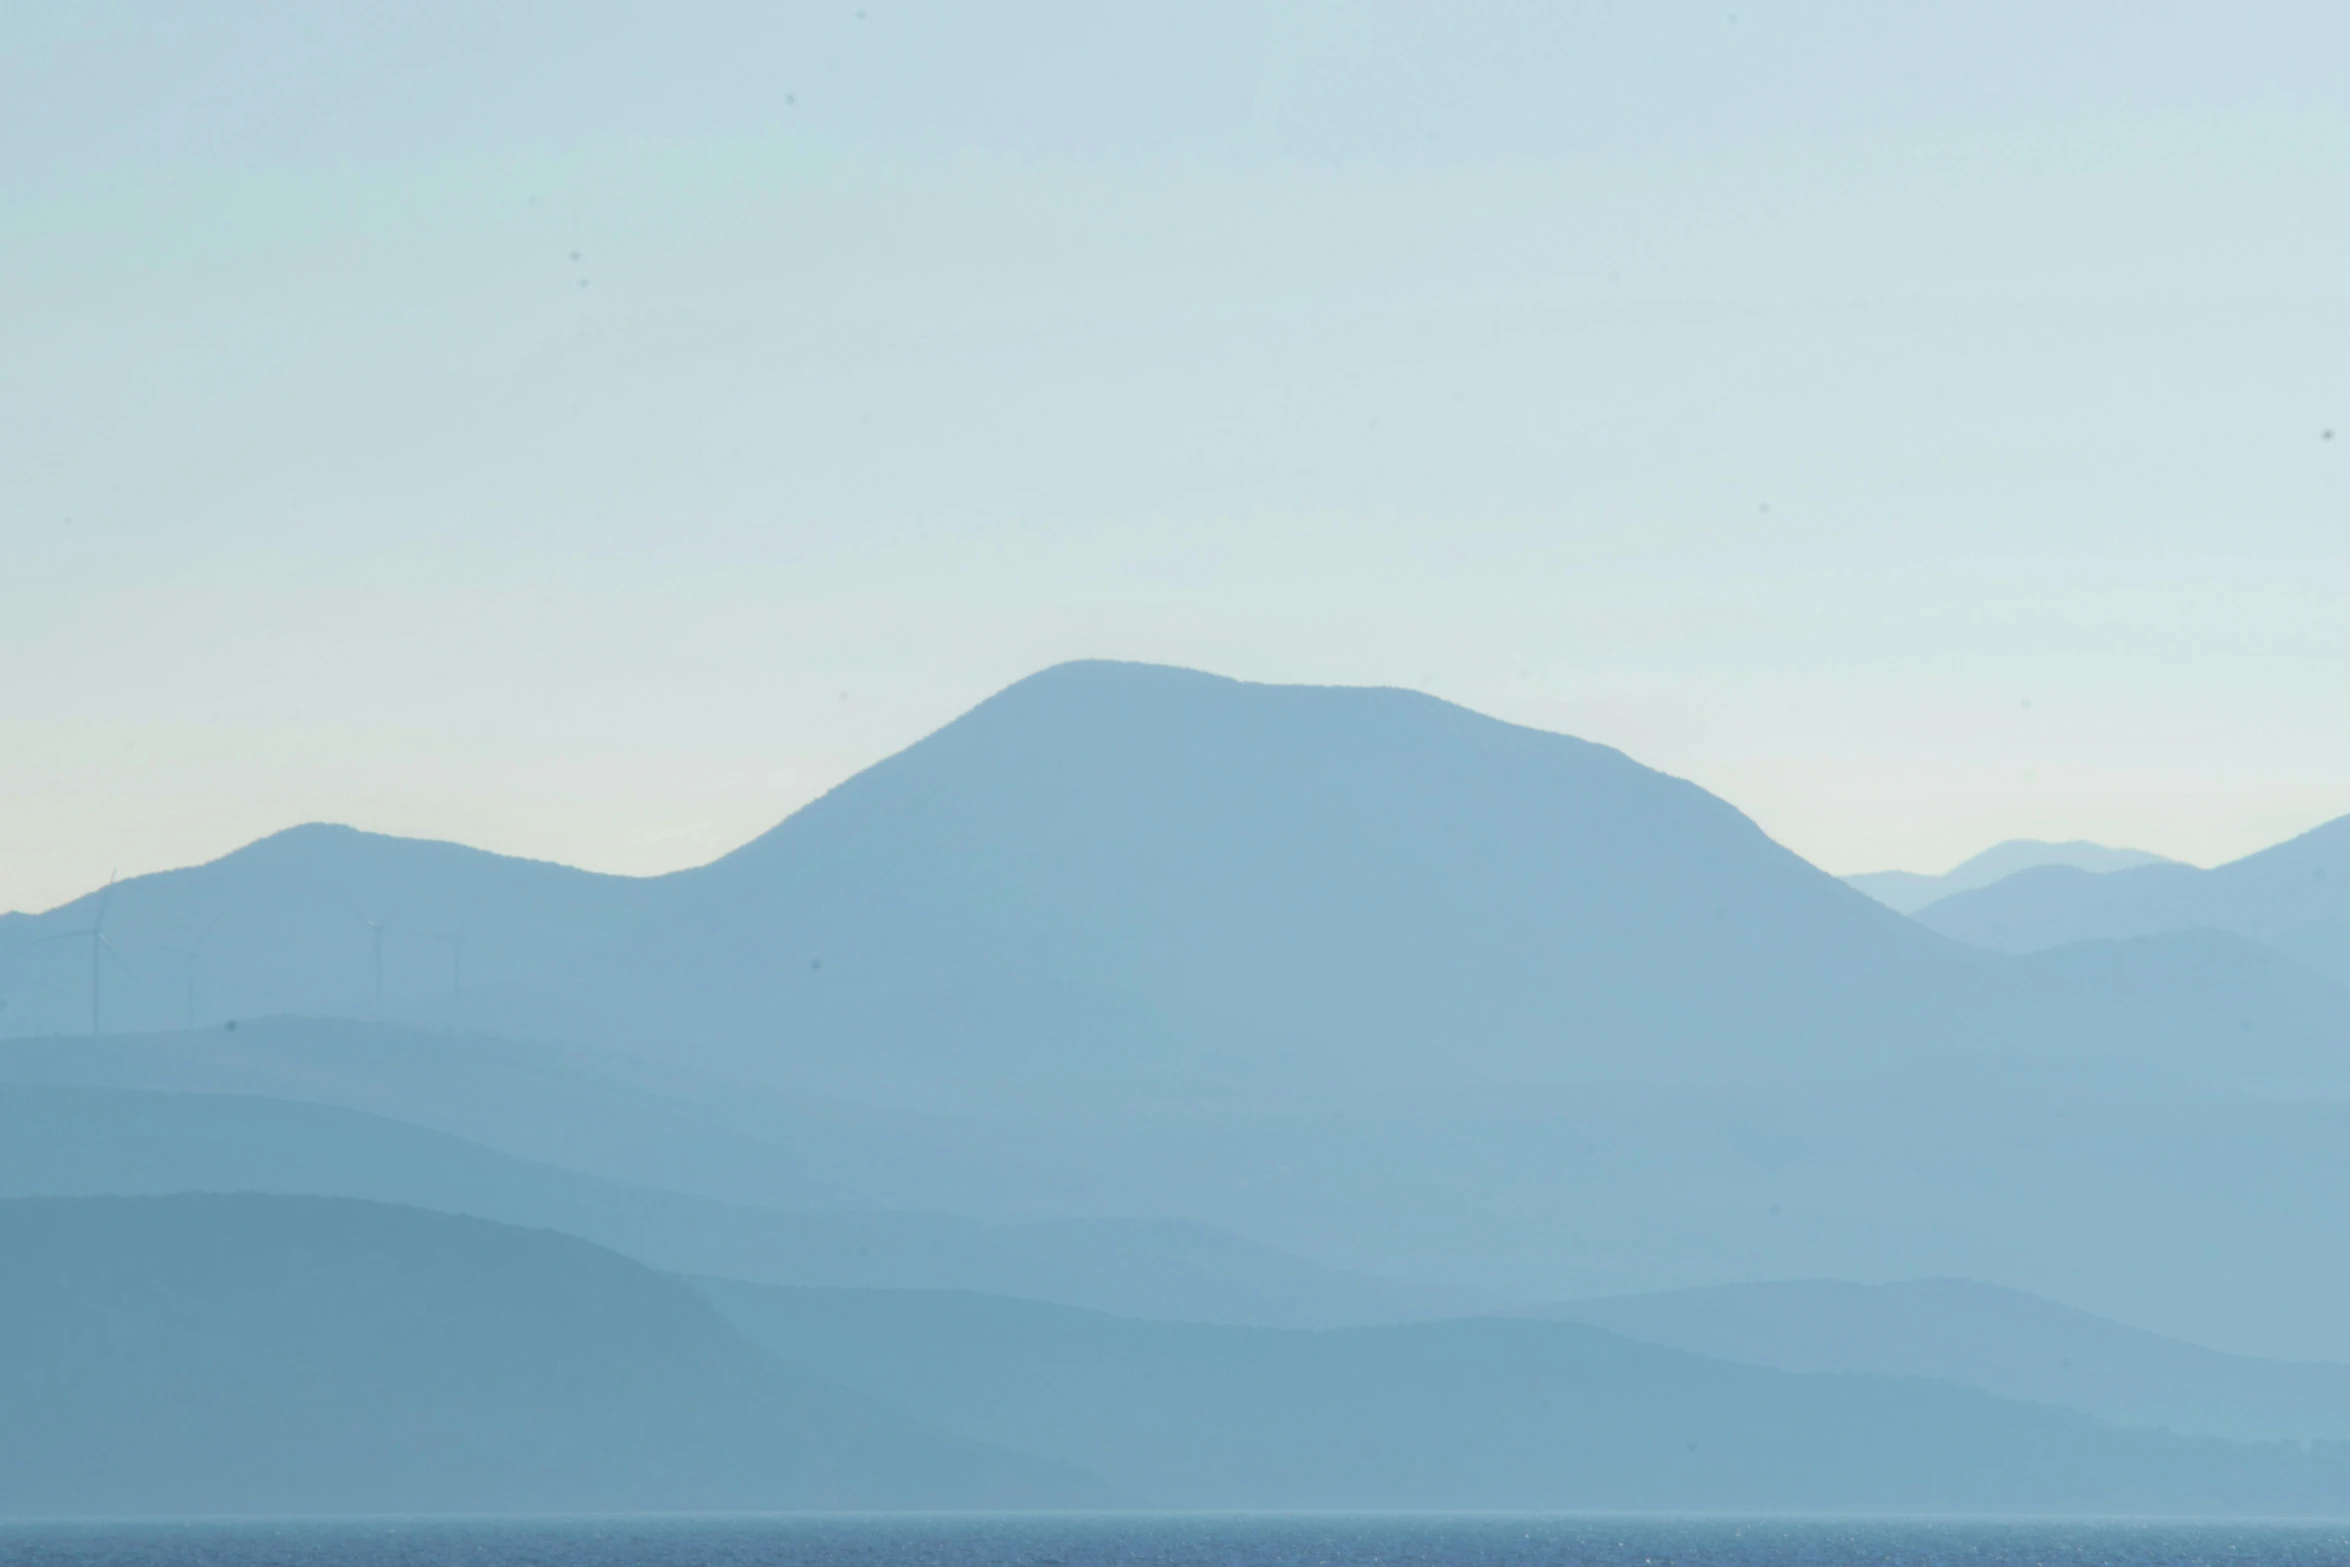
(2294, 897)
(211, 1355)
(1493, 1414)
(57, 1141)
(1999, 1340)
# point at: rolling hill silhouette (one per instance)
(1910, 891)
(2002, 1341)
(1121, 884)
(244, 1354)
(1486, 1413)
(2294, 897)
(57, 1141)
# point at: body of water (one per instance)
(1171, 1541)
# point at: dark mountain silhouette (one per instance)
(1113, 884)
(246, 1354)
(1487, 1413)
(1910, 891)
(80, 1142)
(2294, 897)
(2002, 1341)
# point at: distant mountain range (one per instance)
(1121, 885)
(1910, 891)
(1247, 1040)
(195, 1355)
(2294, 898)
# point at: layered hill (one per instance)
(57, 1141)
(1910, 891)
(2294, 897)
(2002, 1341)
(1482, 1414)
(215, 1355)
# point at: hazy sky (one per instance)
(591, 431)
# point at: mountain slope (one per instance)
(194, 1355)
(1492, 1414)
(1120, 885)
(2294, 897)
(78, 1142)
(1999, 1340)
(289, 924)
(1909, 891)
(1117, 883)
(1123, 879)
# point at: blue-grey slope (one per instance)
(1910, 891)
(248, 1354)
(1120, 883)
(320, 919)
(59, 1141)
(2294, 897)
(1493, 1414)
(2000, 1340)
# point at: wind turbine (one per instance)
(456, 940)
(375, 958)
(100, 949)
(192, 956)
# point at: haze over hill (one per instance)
(2002, 1341)
(1910, 891)
(1492, 1414)
(88, 1142)
(1121, 884)
(1353, 974)
(2206, 1218)
(193, 1355)
(2294, 897)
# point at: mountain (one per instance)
(1359, 976)
(1118, 882)
(1121, 885)
(1910, 891)
(2294, 897)
(245, 1354)
(74, 1142)
(320, 919)
(2002, 1341)
(1487, 1413)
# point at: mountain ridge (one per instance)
(1491, 1413)
(241, 1354)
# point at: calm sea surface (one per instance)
(1483, 1541)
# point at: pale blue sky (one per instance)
(589, 432)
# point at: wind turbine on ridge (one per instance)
(375, 957)
(456, 940)
(192, 956)
(100, 948)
